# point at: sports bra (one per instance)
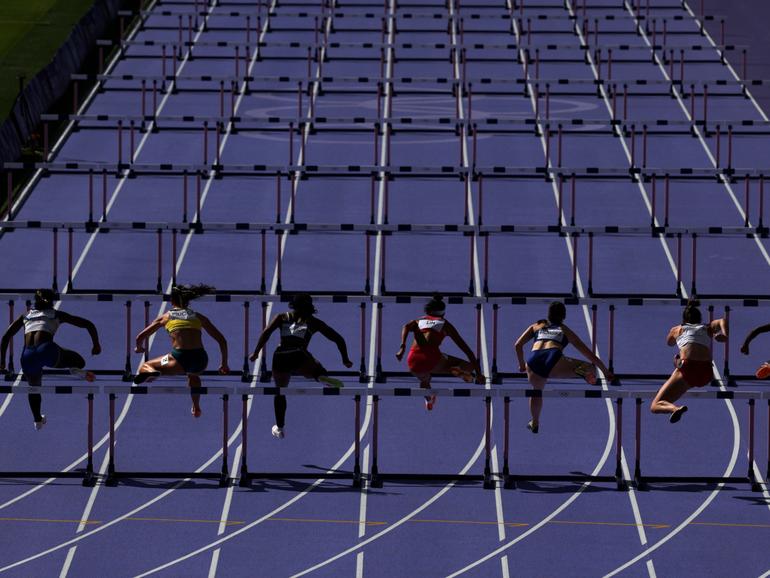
(693, 333)
(433, 324)
(182, 319)
(553, 332)
(294, 329)
(41, 320)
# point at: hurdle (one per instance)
(377, 477)
(87, 474)
(510, 479)
(114, 475)
(247, 477)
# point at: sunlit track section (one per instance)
(620, 471)
(375, 360)
(108, 463)
(491, 458)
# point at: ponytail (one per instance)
(183, 294)
(436, 305)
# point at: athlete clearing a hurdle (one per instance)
(763, 372)
(425, 358)
(40, 324)
(187, 354)
(692, 363)
(546, 359)
(291, 357)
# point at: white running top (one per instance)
(693, 333)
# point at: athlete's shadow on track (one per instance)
(298, 486)
(170, 484)
(755, 500)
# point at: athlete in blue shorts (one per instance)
(40, 325)
(547, 360)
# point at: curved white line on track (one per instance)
(401, 521)
(703, 506)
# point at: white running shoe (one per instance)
(277, 432)
(39, 424)
(88, 376)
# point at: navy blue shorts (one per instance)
(191, 360)
(542, 361)
(34, 359)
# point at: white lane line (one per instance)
(504, 559)
(25, 192)
(729, 66)
(177, 266)
(119, 519)
(362, 516)
(478, 284)
(226, 506)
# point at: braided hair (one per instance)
(44, 299)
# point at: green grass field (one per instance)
(30, 33)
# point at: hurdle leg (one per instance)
(508, 482)
(357, 442)
(224, 478)
(245, 480)
(375, 481)
(111, 480)
(755, 487)
(638, 480)
(489, 483)
(89, 480)
(621, 483)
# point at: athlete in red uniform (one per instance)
(693, 363)
(425, 358)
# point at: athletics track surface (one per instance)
(282, 527)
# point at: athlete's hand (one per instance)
(139, 348)
(253, 357)
(721, 337)
(480, 379)
(223, 369)
(522, 368)
(96, 349)
(609, 376)
(400, 352)
(745, 349)
(347, 363)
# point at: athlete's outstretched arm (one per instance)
(719, 329)
(335, 338)
(750, 337)
(12, 330)
(586, 351)
(410, 327)
(219, 338)
(83, 323)
(528, 334)
(149, 330)
(274, 324)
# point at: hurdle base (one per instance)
(84, 475)
(376, 479)
(247, 477)
(509, 480)
(641, 482)
(113, 478)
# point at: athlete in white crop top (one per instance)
(545, 360)
(693, 365)
(40, 324)
(291, 357)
